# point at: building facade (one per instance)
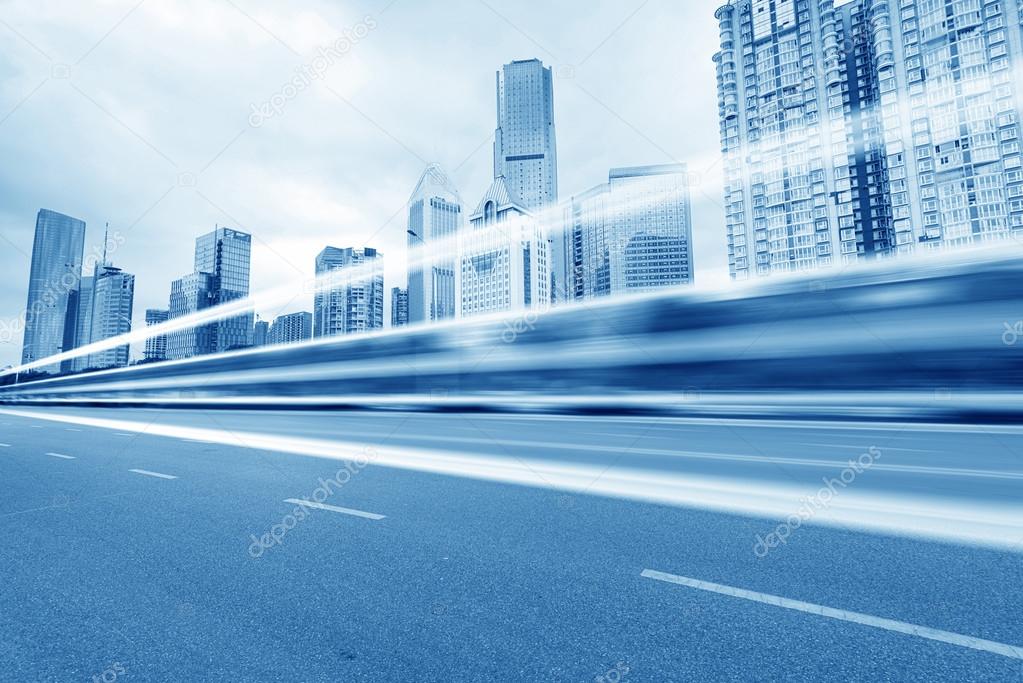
(434, 220)
(633, 233)
(226, 255)
(869, 129)
(261, 333)
(291, 328)
(399, 307)
(54, 279)
(190, 294)
(504, 258)
(525, 146)
(156, 346)
(113, 299)
(353, 301)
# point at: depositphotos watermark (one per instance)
(819, 501)
(111, 674)
(1013, 333)
(326, 489)
(313, 70)
(613, 675)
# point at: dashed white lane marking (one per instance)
(71, 429)
(332, 508)
(61, 455)
(123, 434)
(153, 474)
(5, 445)
(997, 648)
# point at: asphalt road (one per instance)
(145, 545)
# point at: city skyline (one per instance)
(294, 213)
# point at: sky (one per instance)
(152, 116)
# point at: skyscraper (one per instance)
(633, 233)
(261, 333)
(355, 301)
(525, 148)
(291, 328)
(868, 129)
(188, 295)
(226, 255)
(434, 215)
(156, 346)
(504, 262)
(113, 296)
(51, 311)
(399, 307)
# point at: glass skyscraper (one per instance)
(525, 148)
(868, 129)
(226, 255)
(434, 214)
(633, 233)
(355, 303)
(51, 311)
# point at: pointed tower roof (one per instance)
(502, 197)
(435, 183)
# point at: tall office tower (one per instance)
(113, 297)
(226, 255)
(631, 234)
(355, 300)
(261, 333)
(156, 346)
(525, 149)
(51, 311)
(504, 262)
(188, 295)
(291, 328)
(434, 219)
(399, 307)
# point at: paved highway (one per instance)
(183, 545)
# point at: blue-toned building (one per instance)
(226, 254)
(434, 218)
(54, 280)
(525, 146)
(354, 301)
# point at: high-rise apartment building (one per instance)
(525, 148)
(226, 255)
(434, 219)
(354, 301)
(504, 259)
(630, 234)
(191, 294)
(872, 128)
(56, 271)
(156, 346)
(291, 328)
(399, 307)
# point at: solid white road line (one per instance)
(153, 474)
(1002, 649)
(61, 455)
(344, 511)
(123, 434)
